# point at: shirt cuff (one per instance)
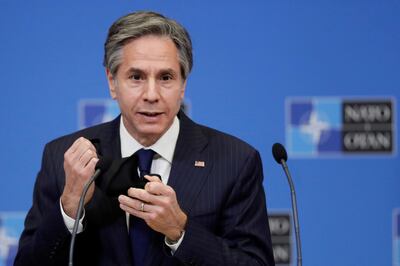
(174, 246)
(69, 222)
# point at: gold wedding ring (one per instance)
(142, 207)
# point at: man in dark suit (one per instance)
(208, 207)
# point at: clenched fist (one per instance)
(79, 165)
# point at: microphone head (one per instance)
(279, 153)
(104, 163)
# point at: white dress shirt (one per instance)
(164, 148)
(162, 161)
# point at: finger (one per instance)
(78, 149)
(92, 164)
(86, 172)
(140, 194)
(153, 178)
(155, 199)
(148, 198)
(75, 145)
(157, 188)
(132, 202)
(129, 202)
(82, 143)
(134, 212)
(69, 154)
(83, 146)
(136, 204)
(86, 157)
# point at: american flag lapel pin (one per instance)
(199, 164)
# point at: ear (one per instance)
(111, 84)
(183, 89)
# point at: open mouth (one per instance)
(150, 114)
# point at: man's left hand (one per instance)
(158, 206)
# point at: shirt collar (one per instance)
(164, 146)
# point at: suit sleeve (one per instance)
(45, 238)
(245, 236)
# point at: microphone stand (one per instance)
(294, 211)
(78, 215)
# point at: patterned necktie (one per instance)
(139, 231)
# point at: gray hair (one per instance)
(138, 24)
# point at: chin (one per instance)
(152, 131)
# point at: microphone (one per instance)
(102, 165)
(280, 156)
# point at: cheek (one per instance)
(170, 97)
(127, 102)
(129, 95)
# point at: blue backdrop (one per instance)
(249, 57)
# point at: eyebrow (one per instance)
(169, 71)
(135, 70)
(161, 71)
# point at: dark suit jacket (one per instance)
(225, 203)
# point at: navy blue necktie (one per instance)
(139, 231)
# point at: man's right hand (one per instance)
(79, 165)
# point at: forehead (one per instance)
(150, 51)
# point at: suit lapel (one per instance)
(110, 144)
(191, 164)
(185, 178)
(114, 233)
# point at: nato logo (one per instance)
(96, 111)
(11, 225)
(396, 237)
(339, 126)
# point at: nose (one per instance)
(152, 92)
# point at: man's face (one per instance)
(148, 86)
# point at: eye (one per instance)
(166, 77)
(135, 76)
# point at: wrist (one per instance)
(177, 233)
(173, 241)
(69, 205)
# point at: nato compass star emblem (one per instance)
(313, 126)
